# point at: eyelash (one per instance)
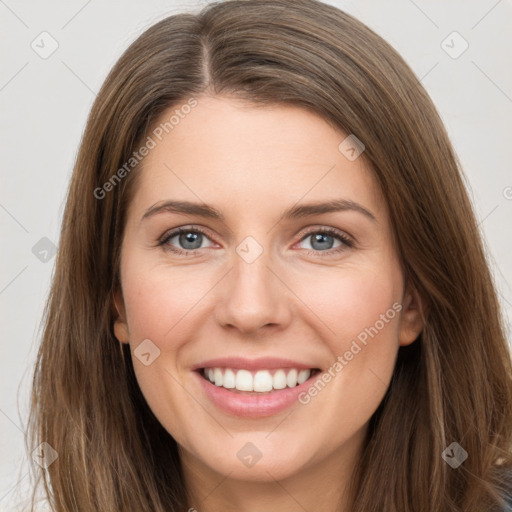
(346, 242)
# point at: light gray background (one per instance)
(45, 103)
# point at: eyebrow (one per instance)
(295, 212)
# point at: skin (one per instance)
(294, 301)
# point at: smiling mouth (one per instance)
(257, 382)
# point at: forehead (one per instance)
(242, 156)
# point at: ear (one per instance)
(412, 317)
(121, 331)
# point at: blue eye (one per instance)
(189, 240)
(322, 241)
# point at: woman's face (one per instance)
(262, 294)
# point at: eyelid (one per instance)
(325, 229)
(171, 233)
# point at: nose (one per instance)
(253, 296)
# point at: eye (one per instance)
(188, 240)
(324, 241)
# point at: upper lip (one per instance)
(261, 363)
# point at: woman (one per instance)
(197, 356)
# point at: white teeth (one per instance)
(279, 380)
(291, 378)
(261, 381)
(218, 376)
(303, 376)
(229, 379)
(243, 380)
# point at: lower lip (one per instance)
(256, 405)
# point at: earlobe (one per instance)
(412, 318)
(120, 324)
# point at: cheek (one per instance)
(159, 302)
(348, 302)
(359, 313)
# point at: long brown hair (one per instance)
(453, 384)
